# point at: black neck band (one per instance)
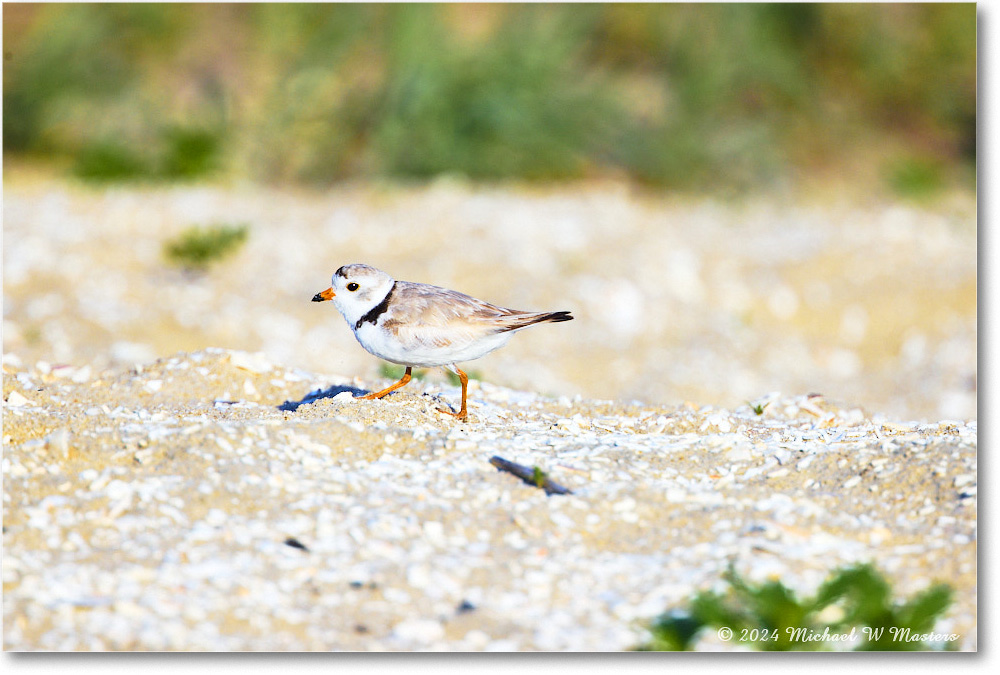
(375, 312)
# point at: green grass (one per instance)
(916, 177)
(197, 248)
(109, 160)
(177, 154)
(189, 152)
(769, 616)
(673, 95)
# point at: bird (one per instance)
(420, 325)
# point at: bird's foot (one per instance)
(462, 414)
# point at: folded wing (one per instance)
(430, 316)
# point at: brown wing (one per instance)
(440, 317)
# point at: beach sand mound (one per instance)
(217, 501)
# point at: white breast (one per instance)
(385, 345)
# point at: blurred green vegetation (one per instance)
(680, 96)
(915, 176)
(392, 371)
(775, 620)
(196, 248)
(178, 154)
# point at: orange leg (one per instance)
(402, 382)
(463, 413)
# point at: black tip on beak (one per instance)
(323, 296)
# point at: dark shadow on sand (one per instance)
(318, 394)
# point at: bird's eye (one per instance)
(353, 286)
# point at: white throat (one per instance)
(356, 306)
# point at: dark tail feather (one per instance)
(531, 320)
(554, 317)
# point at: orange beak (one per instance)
(324, 295)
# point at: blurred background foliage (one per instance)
(675, 96)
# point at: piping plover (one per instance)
(422, 325)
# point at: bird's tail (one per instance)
(518, 322)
